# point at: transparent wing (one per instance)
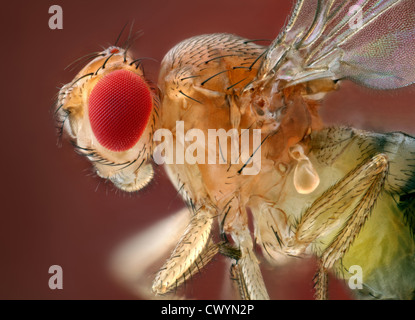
(371, 42)
(136, 261)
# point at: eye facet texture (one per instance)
(119, 108)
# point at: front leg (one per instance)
(193, 251)
(360, 188)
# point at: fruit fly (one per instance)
(343, 195)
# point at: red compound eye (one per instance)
(119, 108)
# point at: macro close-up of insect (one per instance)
(236, 125)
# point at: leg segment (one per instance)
(192, 252)
(246, 272)
(360, 188)
(321, 283)
(246, 269)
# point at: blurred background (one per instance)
(54, 211)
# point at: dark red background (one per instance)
(53, 212)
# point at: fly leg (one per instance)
(245, 269)
(338, 247)
(342, 210)
(193, 251)
(321, 283)
(246, 272)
